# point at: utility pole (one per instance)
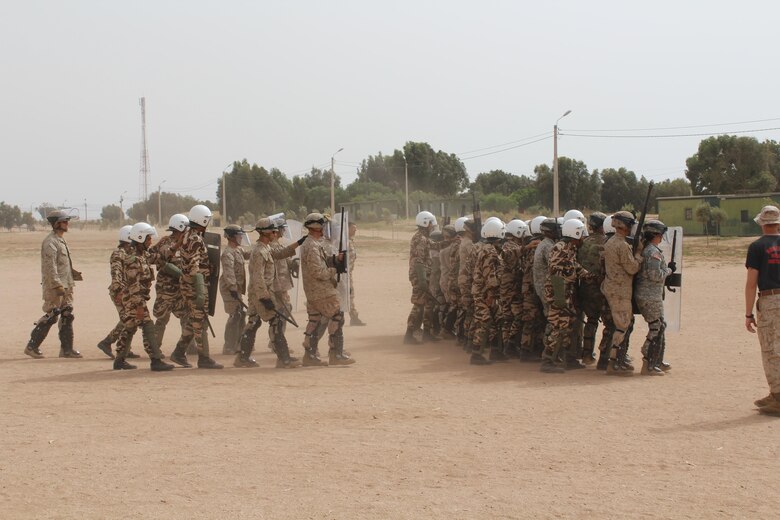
(159, 203)
(143, 180)
(556, 208)
(333, 183)
(84, 225)
(121, 209)
(406, 181)
(224, 196)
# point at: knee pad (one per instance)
(67, 315)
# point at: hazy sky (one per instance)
(286, 84)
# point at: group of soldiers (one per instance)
(537, 290)
(183, 275)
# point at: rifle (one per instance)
(341, 267)
(638, 233)
(288, 319)
(477, 216)
(211, 329)
(674, 279)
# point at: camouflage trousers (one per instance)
(768, 320)
(463, 321)
(131, 323)
(485, 325)
(533, 322)
(422, 308)
(194, 325)
(622, 316)
(167, 302)
(594, 307)
(653, 313)
(562, 322)
(353, 312)
(282, 301)
(512, 312)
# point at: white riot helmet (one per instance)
(178, 222)
(124, 233)
(574, 213)
(536, 224)
(200, 215)
(573, 228)
(140, 231)
(607, 225)
(425, 219)
(493, 228)
(460, 224)
(517, 228)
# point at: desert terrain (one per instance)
(406, 432)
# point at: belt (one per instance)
(770, 292)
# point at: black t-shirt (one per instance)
(764, 255)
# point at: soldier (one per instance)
(354, 319)
(763, 276)
(465, 313)
(136, 284)
(286, 266)
(166, 258)
(511, 286)
(419, 276)
(445, 264)
(649, 296)
(455, 312)
(262, 304)
(549, 229)
(232, 286)
(560, 292)
(485, 291)
(194, 290)
(593, 304)
(620, 266)
(58, 281)
(322, 297)
(434, 285)
(115, 266)
(532, 311)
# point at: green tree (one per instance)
(146, 210)
(435, 172)
(703, 214)
(731, 164)
(718, 216)
(10, 216)
(28, 221)
(578, 188)
(111, 214)
(499, 181)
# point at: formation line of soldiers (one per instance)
(182, 266)
(537, 290)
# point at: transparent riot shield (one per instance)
(293, 232)
(673, 239)
(339, 236)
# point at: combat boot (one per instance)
(772, 408)
(311, 358)
(179, 357)
(336, 354)
(74, 354)
(409, 338)
(132, 355)
(589, 358)
(615, 368)
(428, 335)
(158, 365)
(648, 370)
(207, 362)
(764, 401)
(478, 359)
(603, 360)
(105, 347)
(498, 356)
(121, 364)
(66, 339)
(283, 357)
(548, 366)
(354, 321)
(572, 363)
(33, 351)
(244, 361)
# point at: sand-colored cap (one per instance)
(768, 215)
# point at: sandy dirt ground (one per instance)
(406, 432)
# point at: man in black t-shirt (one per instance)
(763, 275)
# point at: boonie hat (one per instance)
(769, 215)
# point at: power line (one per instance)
(676, 127)
(661, 136)
(503, 144)
(506, 149)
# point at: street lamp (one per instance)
(159, 203)
(556, 209)
(333, 183)
(224, 199)
(406, 183)
(121, 210)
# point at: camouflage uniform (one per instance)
(420, 277)
(471, 263)
(453, 291)
(114, 288)
(282, 253)
(540, 268)
(511, 295)
(232, 279)
(592, 300)
(560, 293)
(136, 285)
(436, 291)
(649, 296)
(463, 322)
(352, 251)
(195, 260)
(485, 292)
(167, 288)
(620, 267)
(532, 311)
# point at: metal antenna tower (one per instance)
(143, 177)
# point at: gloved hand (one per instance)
(59, 291)
(302, 239)
(234, 295)
(77, 275)
(295, 268)
(268, 303)
(673, 266)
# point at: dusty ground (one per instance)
(407, 432)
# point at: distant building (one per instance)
(740, 210)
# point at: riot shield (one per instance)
(293, 232)
(338, 235)
(213, 244)
(673, 295)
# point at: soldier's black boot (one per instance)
(121, 364)
(603, 360)
(37, 336)
(158, 365)
(179, 356)
(311, 357)
(105, 347)
(66, 338)
(572, 363)
(283, 357)
(409, 338)
(336, 354)
(204, 361)
(428, 335)
(549, 366)
(663, 365)
(616, 366)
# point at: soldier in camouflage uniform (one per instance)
(620, 267)
(354, 319)
(511, 286)
(465, 303)
(115, 266)
(445, 262)
(263, 305)
(58, 281)
(194, 290)
(322, 298)
(486, 294)
(232, 286)
(592, 301)
(455, 312)
(285, 265)
(531, 344)
(135, 286)
(549, 228)
(650, 297)
(166, 258)
(421, 280)
(560, 291)
(438, 297)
